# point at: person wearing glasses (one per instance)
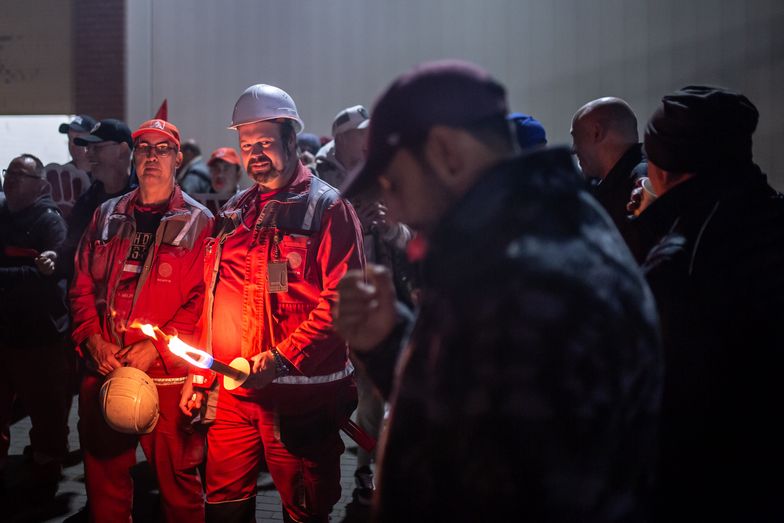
(109, 153)
(141, 260)
(33, 318)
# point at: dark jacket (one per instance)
(529, 387)
(78, 220)
(195, 178)
(615, 190)
(718, 277)
(33, 310)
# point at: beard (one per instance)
(265, 175)
(263, 171)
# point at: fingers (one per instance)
(45, 263)
(108, 365)
(256, 360)
(189, 403)
(355, 295)
(113, 362)
(105, 357)
(380, 278)
(184, 404)
(634, 199)
(186, 396)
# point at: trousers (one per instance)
(297, 429)
(174, 449)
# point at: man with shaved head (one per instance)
(604, 137)
(33, 319)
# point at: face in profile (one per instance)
(412, 192)
(351, 147)
(78, 152)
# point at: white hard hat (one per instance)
(129, 401)
(265, 102)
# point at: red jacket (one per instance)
(320, 238)
(170, 289)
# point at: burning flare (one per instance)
(148, 330)
(190, 354)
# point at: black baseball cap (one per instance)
(108, 130)
(445, 92)
(81, 124)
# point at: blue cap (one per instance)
(529, 130)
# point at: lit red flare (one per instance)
(204, 360)
(192, 355)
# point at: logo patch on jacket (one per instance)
(165, 270)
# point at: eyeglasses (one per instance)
(10, 175)
(162, 150)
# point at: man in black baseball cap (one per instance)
(82, 123)
(108, 130)
(78, 127)
(109, 145)
(529, 384)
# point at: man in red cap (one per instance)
(141, 260)
(225, 171)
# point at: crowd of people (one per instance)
(547, 333)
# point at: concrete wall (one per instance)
(553, 55)
(99, 57)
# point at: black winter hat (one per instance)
(700, 127)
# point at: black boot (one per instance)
(243, 511)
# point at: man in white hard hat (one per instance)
(348, 148)
(280, 249)
(141, 261)
(385, 242)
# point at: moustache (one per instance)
(259, 159)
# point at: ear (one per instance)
(662, 180)
(124, 152)
(444, 154)
(178, 160)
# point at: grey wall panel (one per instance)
(552, 55)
